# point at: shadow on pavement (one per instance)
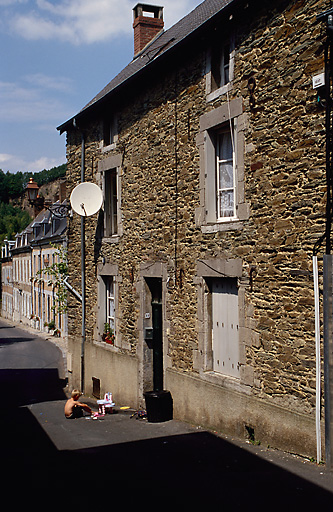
(185, 470)
(198, 469)
(10, 341)
(26, 386)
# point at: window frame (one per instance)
(111, 203)
(216, 83)
(109, 131)
(105, 273)
(219, 66)
(110, 298)
(220, 160)
(228, 114)
(112, 162)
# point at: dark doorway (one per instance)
(155, 287)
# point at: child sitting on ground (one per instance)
(74, 408)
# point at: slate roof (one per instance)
(162, 44)
(54, 229)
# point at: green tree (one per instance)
(13, 184)
(13, 220)
(58, 272)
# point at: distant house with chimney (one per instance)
(209, 148)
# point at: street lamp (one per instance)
(32, 189)
(61, 210)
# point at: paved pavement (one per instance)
(120, 458)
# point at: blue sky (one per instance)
(55, 57)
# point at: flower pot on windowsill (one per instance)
(108, 334)
(108, 338)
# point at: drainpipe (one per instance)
(83, 265)
(71, 289)
(328, 342)
(83, 270)
(327, 17)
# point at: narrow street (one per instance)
(54, 461)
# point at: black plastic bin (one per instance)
(159, 406)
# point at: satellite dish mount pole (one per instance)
(83, 271)
(86, 199)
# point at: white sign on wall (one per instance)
(318, 80)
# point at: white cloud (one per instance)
(87, 21)
(44, 162)
(32, 105)
(20, 164)
(75, 21)
(32, 101)
(61, 84)
(12, 2)
(4, 157)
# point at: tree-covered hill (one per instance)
(12, 185)
(12, 220)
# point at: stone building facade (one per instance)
(209, 148)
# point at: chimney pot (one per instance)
(148, 22)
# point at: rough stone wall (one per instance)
(74, 153)
(160, 191)
(161, 186)
(285, 181)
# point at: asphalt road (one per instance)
(119, 459)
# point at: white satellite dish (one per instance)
(86, 199)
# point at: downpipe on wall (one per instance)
(83, 270)
(83, 264)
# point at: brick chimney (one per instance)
(62, 190)
(148, 22)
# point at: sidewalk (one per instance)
(197, 449)
(143, 463)
(60, 342)
(301, 466)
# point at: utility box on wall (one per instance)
(149, 333)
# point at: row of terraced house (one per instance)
(29, 289)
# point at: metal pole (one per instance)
(318, 373)
(83, 272)
(328, 358)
